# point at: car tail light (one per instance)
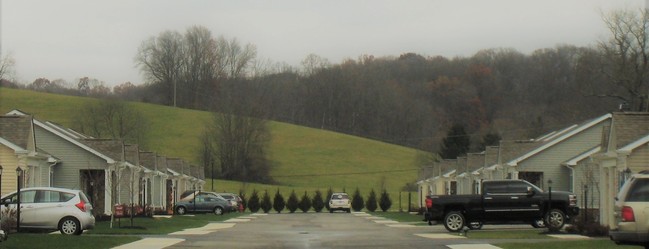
(81, 206)
(627, 214)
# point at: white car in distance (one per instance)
(340, 201)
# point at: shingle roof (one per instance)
(148, 159)
(629, 127)
(16, 129)
(561, 136)
(491, 155)
(475, 161)
(108, 147)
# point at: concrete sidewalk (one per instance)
(150, 243)
(155, 243)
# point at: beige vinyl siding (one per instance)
(9, 163)
(639, 159)
(549, 160)
(127, 186)
(156, 190)
(72, 159)
(587, 173)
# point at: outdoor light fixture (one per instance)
(0, 195)
(627, 174)
(0, 180)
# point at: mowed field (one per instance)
(304, 159)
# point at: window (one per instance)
(54, 196)
(639, 191)
(495, 188)
(517, 187)
(27, 196)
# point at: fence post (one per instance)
(409, 201)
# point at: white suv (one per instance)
(632, 212)
(66, 210)
(340, 201)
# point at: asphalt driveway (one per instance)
(320, 230)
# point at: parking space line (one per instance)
(439, 236)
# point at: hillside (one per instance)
(303, 158)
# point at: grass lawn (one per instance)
(40, 240)
(576, 244)
(302, 158)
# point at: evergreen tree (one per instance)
(266, 204)
(278, 202)
(456, 143)
(305, 203)
(489, 139)
(318, 203)
(253, 202)
(357, 201)
(329, 193)
(292, 202)
(370, 204)
(385, 203)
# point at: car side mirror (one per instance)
(530, 191)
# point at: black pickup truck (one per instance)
(503, 202)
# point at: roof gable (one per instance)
(17, 129)
(627, 128)
(634, 145)
(60, 134)
(564, 136)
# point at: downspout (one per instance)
(51, 173)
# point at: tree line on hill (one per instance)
(407, 100)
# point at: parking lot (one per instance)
(321, 230)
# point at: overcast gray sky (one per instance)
(69, 39)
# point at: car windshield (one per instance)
(339, 197)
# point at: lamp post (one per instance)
(19, 173)
(0, 195)
(549, 194)
(585, 203)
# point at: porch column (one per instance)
(108, 197)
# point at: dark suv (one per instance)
(632, 212)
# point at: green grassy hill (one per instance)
(303, 158)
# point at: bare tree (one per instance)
(626, 57)
(238, 137)
(6, 66)
(200, 67)
(112, 119)
(312, 63)
(236, 59)
(160, 59)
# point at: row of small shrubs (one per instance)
(318, 202)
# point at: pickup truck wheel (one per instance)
(554, 220)
(476, 225)
(454, 221)
(538, 223)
